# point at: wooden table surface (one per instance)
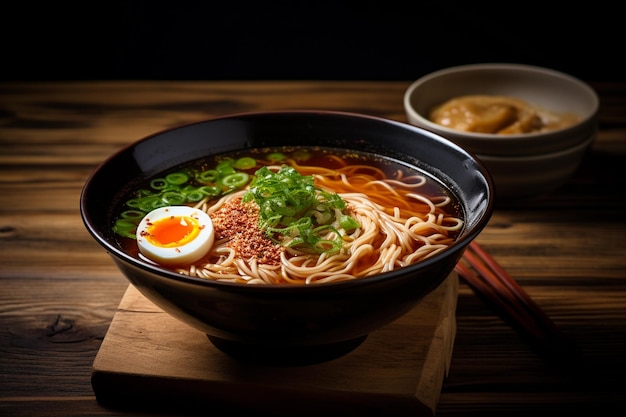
(59, 290)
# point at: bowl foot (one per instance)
(275, 356)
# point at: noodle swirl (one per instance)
(399, 226)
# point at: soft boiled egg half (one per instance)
(175, 235)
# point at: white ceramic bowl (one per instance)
(522, 165)
(542, 88)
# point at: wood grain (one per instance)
(59, 291)
(398, 369)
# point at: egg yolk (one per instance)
(173, 231)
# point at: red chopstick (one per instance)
(492, 282)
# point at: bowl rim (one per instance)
(509, 67)
(120, 255)
(578, 147)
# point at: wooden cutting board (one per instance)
(150, 360)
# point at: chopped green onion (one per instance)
(235, 180)
(125, 224)
(290, 205)
(195, 196)
(132, 215)
(155, 203)
(125, 233)
(276, 157)
(125, 228)
(245, 163)
(177, 178)
(210, 175)
(210, 190)
(301, 155)
(348, 223)
(225, 167)
(184, 187)
(158, 183)
(173, 198)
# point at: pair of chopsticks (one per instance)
(490, 281)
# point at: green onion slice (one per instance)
(245, 163)
(177, 178)
(235, 180)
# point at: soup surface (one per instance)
(497, 114)
(290, 216)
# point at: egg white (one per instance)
(176, 254)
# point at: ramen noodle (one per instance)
(367, 216)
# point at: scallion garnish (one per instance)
(184, 187)
(301, 214)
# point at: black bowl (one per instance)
(315, 322)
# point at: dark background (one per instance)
(294, 40)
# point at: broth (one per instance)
(368, 214)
